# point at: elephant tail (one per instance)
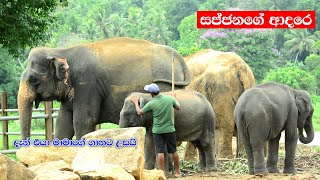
(238, 118)
(238, 143)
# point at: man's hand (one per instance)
(134, 99)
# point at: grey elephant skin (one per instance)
(92, 80)
(194, 122)
(262, 113)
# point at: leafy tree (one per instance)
(312, 61)
(256, 47)
(310, 5)
(9, 76)
(120, 26)
(281, 4)
(189, 36)
(317, 42)
(299, 41)
(90, 31)
(103, 21)
(214, 4)
(154, 25)
(157, 31)
(252, 5)
(313, 66)
(267, 4)
(25, 23)
(294, 77)
(177, 10)
(279, 39)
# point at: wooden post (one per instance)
(49, 120)
(172, 72)
(4, 123)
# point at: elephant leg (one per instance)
(190, 152)
(86, 110)
(273, 148)
(291, 138)
(207, 142)
(84, 123)
(225, 140)
(202, 156)
(64, 124)
(210, 159)
(258, 156)
(249, 153)
(149, 151)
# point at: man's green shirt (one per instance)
(161, 107)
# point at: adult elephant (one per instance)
(92, 80)
(262, 113)
(221, 77)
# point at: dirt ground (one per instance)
(307, 164)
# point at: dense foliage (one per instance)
(294, 77)
(254, 46)
(25, 24)
(9, 72)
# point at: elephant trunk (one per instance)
(122, 124)
(309, 130)
(25, 98)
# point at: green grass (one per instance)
(317, 148)
(109, 126)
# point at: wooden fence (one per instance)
(48, 116)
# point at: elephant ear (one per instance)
(61, 66)
(142, 102)
(163, 56)
(304, 106)
(301, 103)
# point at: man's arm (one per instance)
(135, 100)
(176, 105)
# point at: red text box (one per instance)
(256, 19)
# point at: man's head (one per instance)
(152, 88)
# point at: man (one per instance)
(163, 129)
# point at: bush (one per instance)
(294, 77)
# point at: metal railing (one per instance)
(48, 116)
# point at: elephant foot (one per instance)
(201, 169)
(149, 166)
(251, 171)
(273, 169)
(211, 169)
(290, 170)
(261, 171)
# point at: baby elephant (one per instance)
(194, 122)
(261, 113)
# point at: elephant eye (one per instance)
(33, 80)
